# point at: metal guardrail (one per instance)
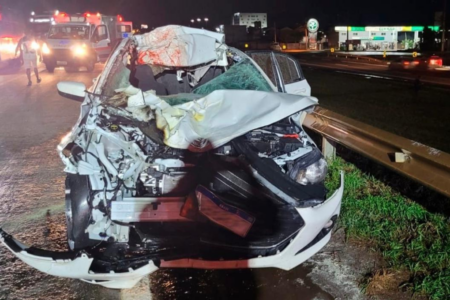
(429, 166)
(356, 57)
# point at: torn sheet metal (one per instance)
(219, 117)
(178, 46)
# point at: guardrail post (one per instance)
(328, 149)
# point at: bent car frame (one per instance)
(189, 154)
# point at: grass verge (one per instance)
(407, 236)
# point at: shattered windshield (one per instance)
(69, 32)
(180, 98)
(242, 76)
(174, 86)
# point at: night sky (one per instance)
(284, 12)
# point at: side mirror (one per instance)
(72, 90)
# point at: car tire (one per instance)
(90, 67)
(78, 212)
(50, 67)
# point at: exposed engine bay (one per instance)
(135, 178)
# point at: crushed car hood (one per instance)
(215, 119)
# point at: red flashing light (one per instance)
(436, 61)
(88, 15)
(62, 14)
(120, 18)
(99, 15)
(406, 63)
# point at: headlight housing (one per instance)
(310, 169)
(79, 50)
(45, 49)
(35, 46)
(313, 174)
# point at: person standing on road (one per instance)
(19, 49)
(29, 48)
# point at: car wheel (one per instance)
(90, 67)
(50, 67)
(78, 212)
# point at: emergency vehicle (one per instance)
(39, 23)
(12, 28)
(82, 40)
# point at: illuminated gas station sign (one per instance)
(385, 28)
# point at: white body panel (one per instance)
(299, 88)
(315, 220)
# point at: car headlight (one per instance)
(312, 174)
(79, 50)
(45, 49)
(35, 46)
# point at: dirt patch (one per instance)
(345, 268)
(389, 284)
(339, 267)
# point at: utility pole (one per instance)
(443, 26)
(347, 43)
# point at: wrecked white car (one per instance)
(189, 154)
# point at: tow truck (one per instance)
(82, 40)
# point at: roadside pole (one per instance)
(347, 43)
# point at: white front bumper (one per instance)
(315, 220)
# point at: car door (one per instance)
(283, 70)
(101, 42)
(293, 79)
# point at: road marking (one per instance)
(372, 65)
(365, 75)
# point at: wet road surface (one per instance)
(440, 76)
(32, 121)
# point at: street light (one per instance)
(192, 21)
(206, 19)
(199, 20)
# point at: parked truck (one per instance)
(82, 40)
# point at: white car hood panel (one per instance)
(219, 117)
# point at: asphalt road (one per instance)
(32, 121)
(364, 67)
